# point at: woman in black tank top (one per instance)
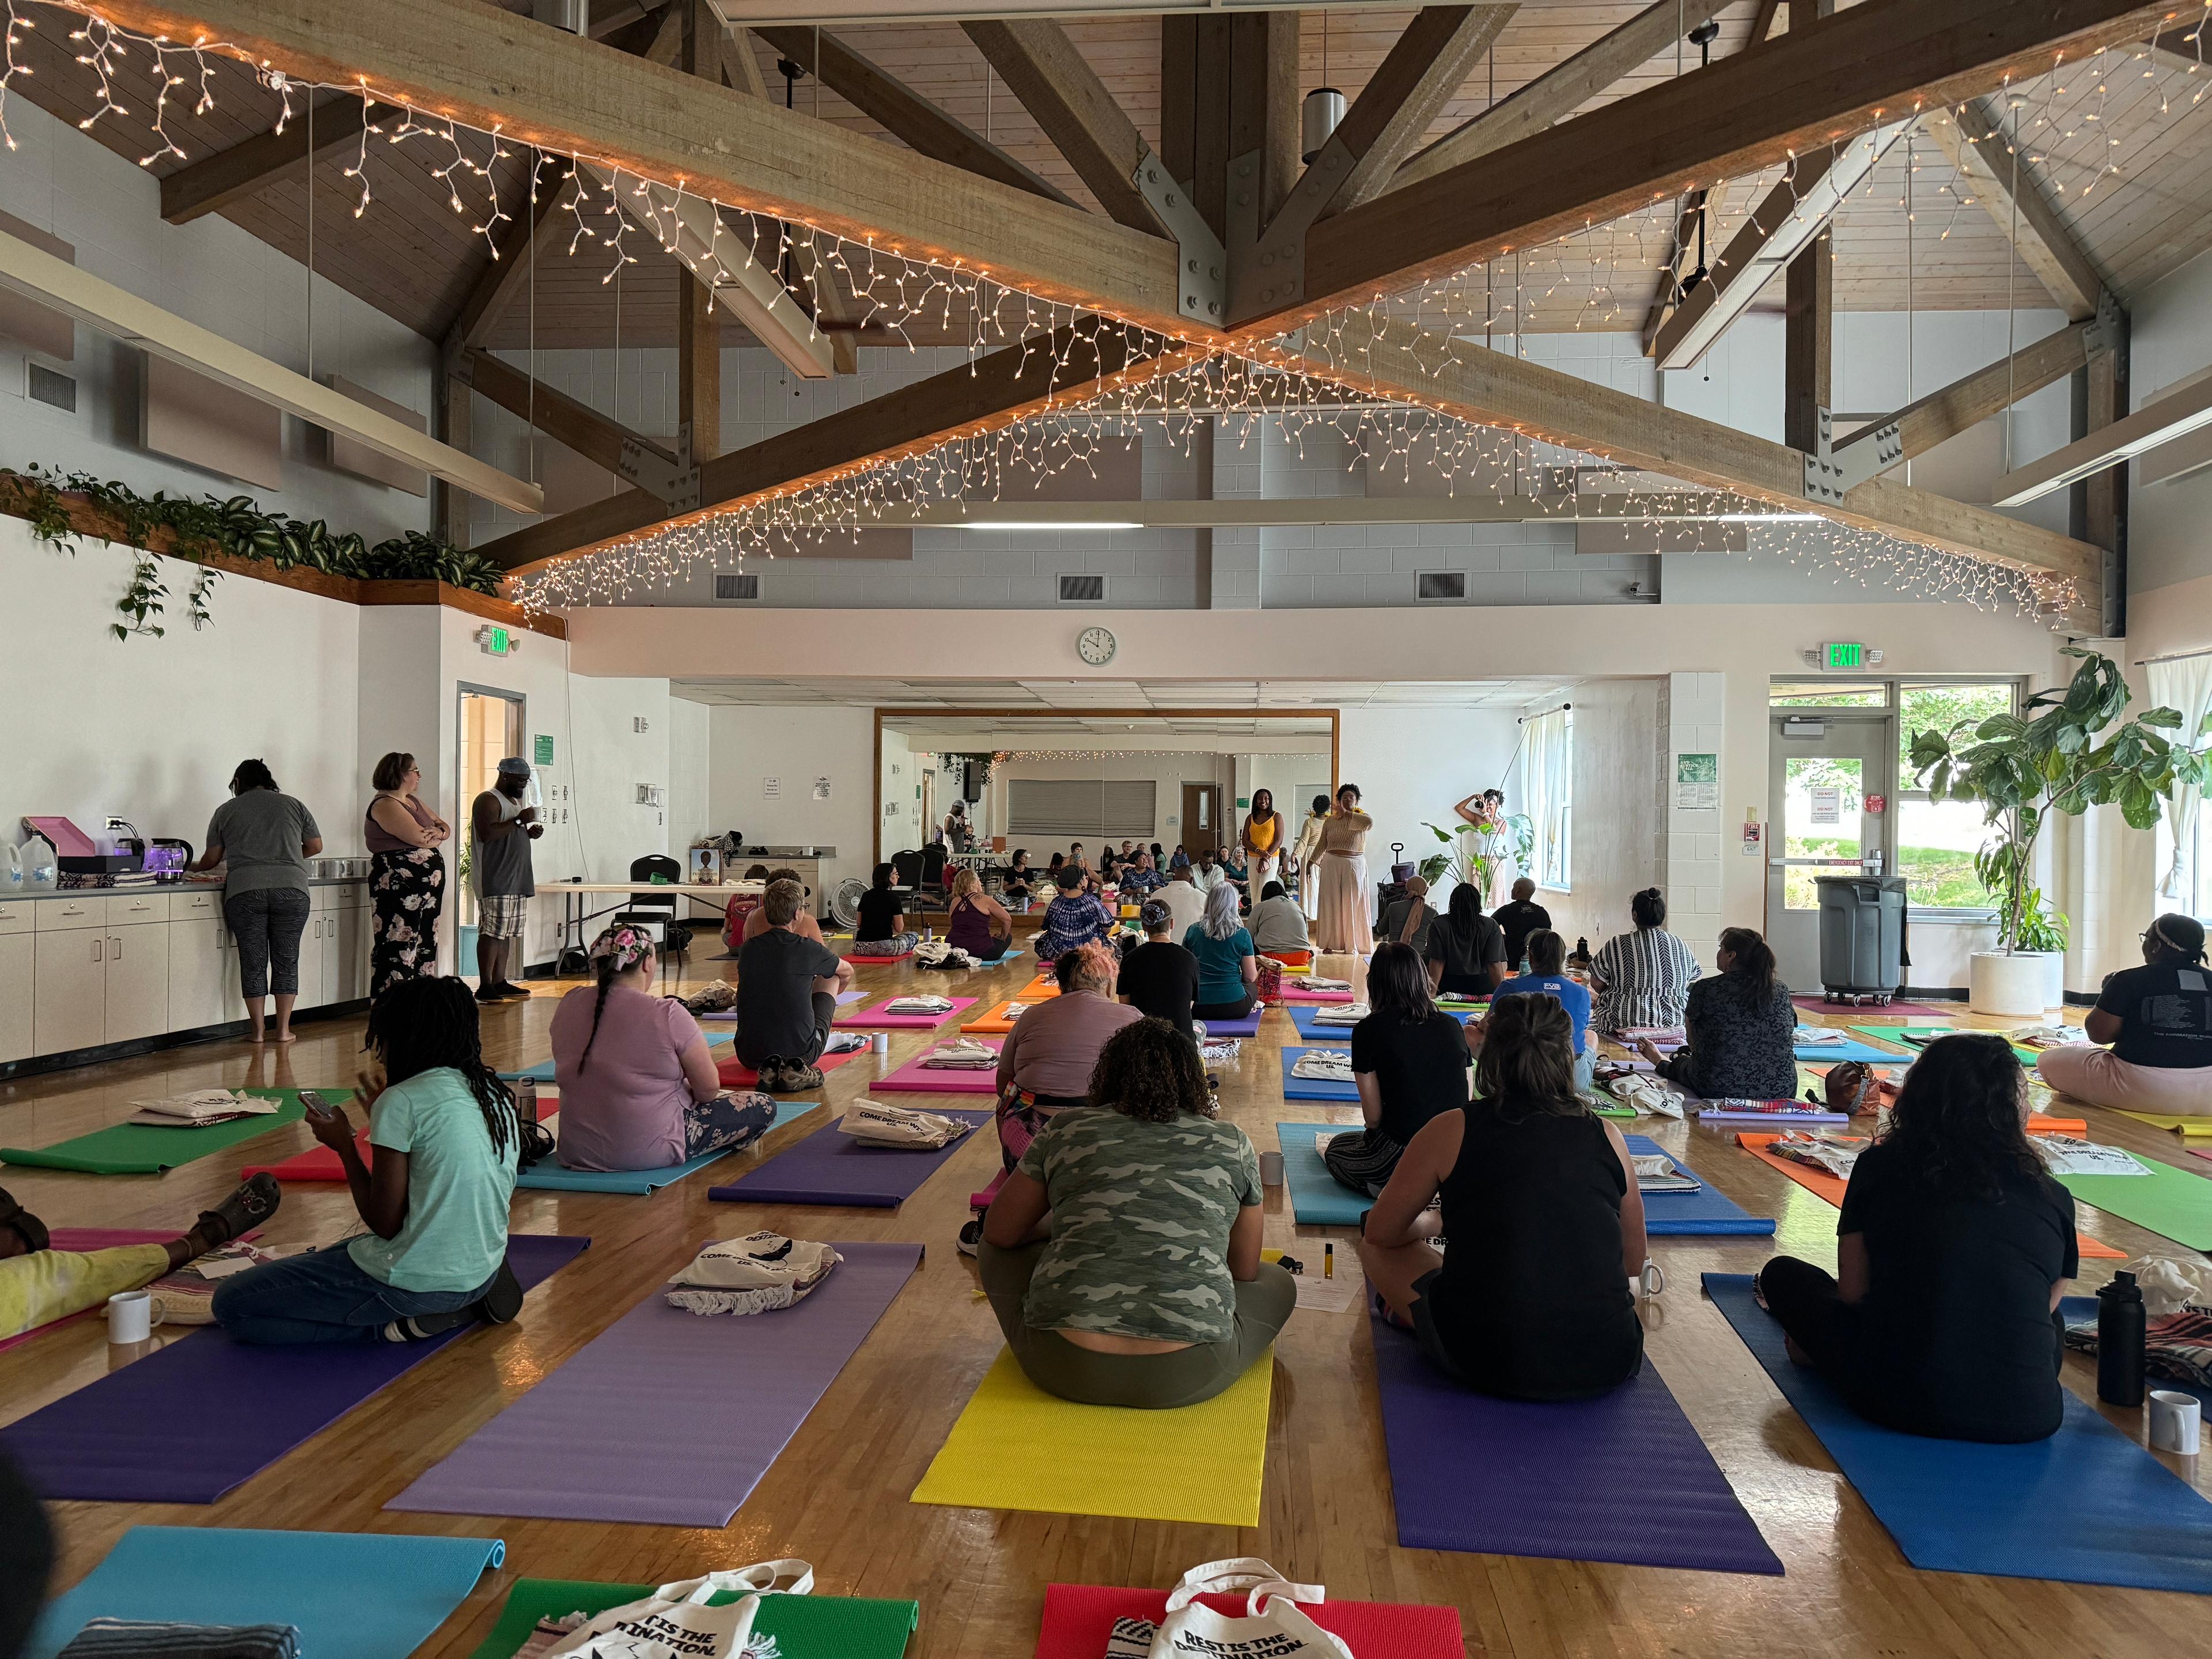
(1544, 1220)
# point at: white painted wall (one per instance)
(2170, 524)
(796, 745)
(214, 274)
(610, 759)
(689, 767)
(1620, 826)
(1413, 765)
(151, 729)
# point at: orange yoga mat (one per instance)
(997, 1023)
(1832, 1187)
(1043, 986)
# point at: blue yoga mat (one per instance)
(1302, 1016)
(1472, 1471)
(2087, 1506)
(1315, 1198)
(550, 1177)
(1848, 1050)
(354, 1596)
(1299, 1088)
(1706, 1210)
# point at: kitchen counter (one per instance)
(10, 895)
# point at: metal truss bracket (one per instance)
(2108, 330)
(671, 478)
(1829, 476)
(1202, 265)
(1267, 269)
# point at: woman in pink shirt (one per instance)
(638, 1088)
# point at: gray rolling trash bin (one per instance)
(1863, 954)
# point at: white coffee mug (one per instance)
(1652, 1282)
(130, 1317)
(2175, 1420)
(1271, 1169)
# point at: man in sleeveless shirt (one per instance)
(500, 829)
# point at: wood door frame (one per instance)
(1183, 804)
(1334, 717)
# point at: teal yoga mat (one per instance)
(140, 1149)
(354, 1596)
(2086, 1506)
(543, 1071)
(1822, 1053)
(1315, 1197)
(550, 1177)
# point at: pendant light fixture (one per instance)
(1324, 108)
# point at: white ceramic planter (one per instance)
(2014, 985)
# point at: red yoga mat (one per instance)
(736, 1074)
(316, 1163)
(1080, 1618)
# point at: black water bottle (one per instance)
(2120, 1321)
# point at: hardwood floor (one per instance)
(837, 1496)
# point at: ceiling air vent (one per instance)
(1082, 590)
(734, 585)
(46, 386)
(1441, 584)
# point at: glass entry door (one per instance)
(490, 730)
(1824, 768)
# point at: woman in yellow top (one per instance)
(1263, 839)
(1342, 926)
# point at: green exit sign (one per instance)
(1840, 653)
(494, 641)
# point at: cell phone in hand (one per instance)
(316, 1105)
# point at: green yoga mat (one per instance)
(805, 1626)
(2171, 1202)
(138, 1149)
(1919, 1037)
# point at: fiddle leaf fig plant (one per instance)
(2068, 750)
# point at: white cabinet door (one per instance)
(311, 961)
(15, 1029)
(70, 1002)
(203, 975)
(137, 981)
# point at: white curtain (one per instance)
(2185, 684)
(1550, 767)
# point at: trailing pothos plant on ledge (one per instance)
(237, 528)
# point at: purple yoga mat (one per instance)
(727, 1392)
(830, 1167)
(873, 1019)
(1620, 1479)
(1248, 1026)
(191, 1421)
(914, 1078)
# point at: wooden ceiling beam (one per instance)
(1424, 70)
(1395, 360)
(503, 276)
(996, 391)
(904, 113)
(1560, 91)
(231, 175)
(599, 439)
(1838, 77)
(1968, 402)
(572, 95)
(1976, 143)
(1066, 97)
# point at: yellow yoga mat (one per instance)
(2193, 1127)
(1018, 1448)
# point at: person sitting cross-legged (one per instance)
(878, 932)
(1409, 1062)
(1227, 965)
(1074, 918)
(1122, 1255)
(787, 991)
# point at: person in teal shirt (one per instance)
(1228, 967)
(445, 1140)
(1546, 977)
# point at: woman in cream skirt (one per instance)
(1342, 926)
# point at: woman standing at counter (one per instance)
(265, 839)
(408, 881)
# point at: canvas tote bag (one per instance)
(1272, 1626)
(675, 1622)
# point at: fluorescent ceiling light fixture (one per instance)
(1050, 524)
(1756, 253)
(2174, 415)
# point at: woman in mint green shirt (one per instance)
(443, 1135)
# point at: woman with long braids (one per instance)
(638, 1088)
(443, 1135)
(1953, 1247)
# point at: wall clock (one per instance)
(1095, 647)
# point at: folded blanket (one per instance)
(1820, 1036)
(1655, 1172)
(1315, 982)
(1835, 1155)
(961, 1054)
(130, 1638)
(938, 953)
(186, 1296)
(757, 1273)
(199, 1107)
(1323, 1065)
(846, 1043)
(918, 1005)
(2177, 1346)
(874, 1124)
(1346, 1014)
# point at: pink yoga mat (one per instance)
(84, 1239)
(1873, 1013)
(1288, 994)
(914, 1078)
(874, 1018)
